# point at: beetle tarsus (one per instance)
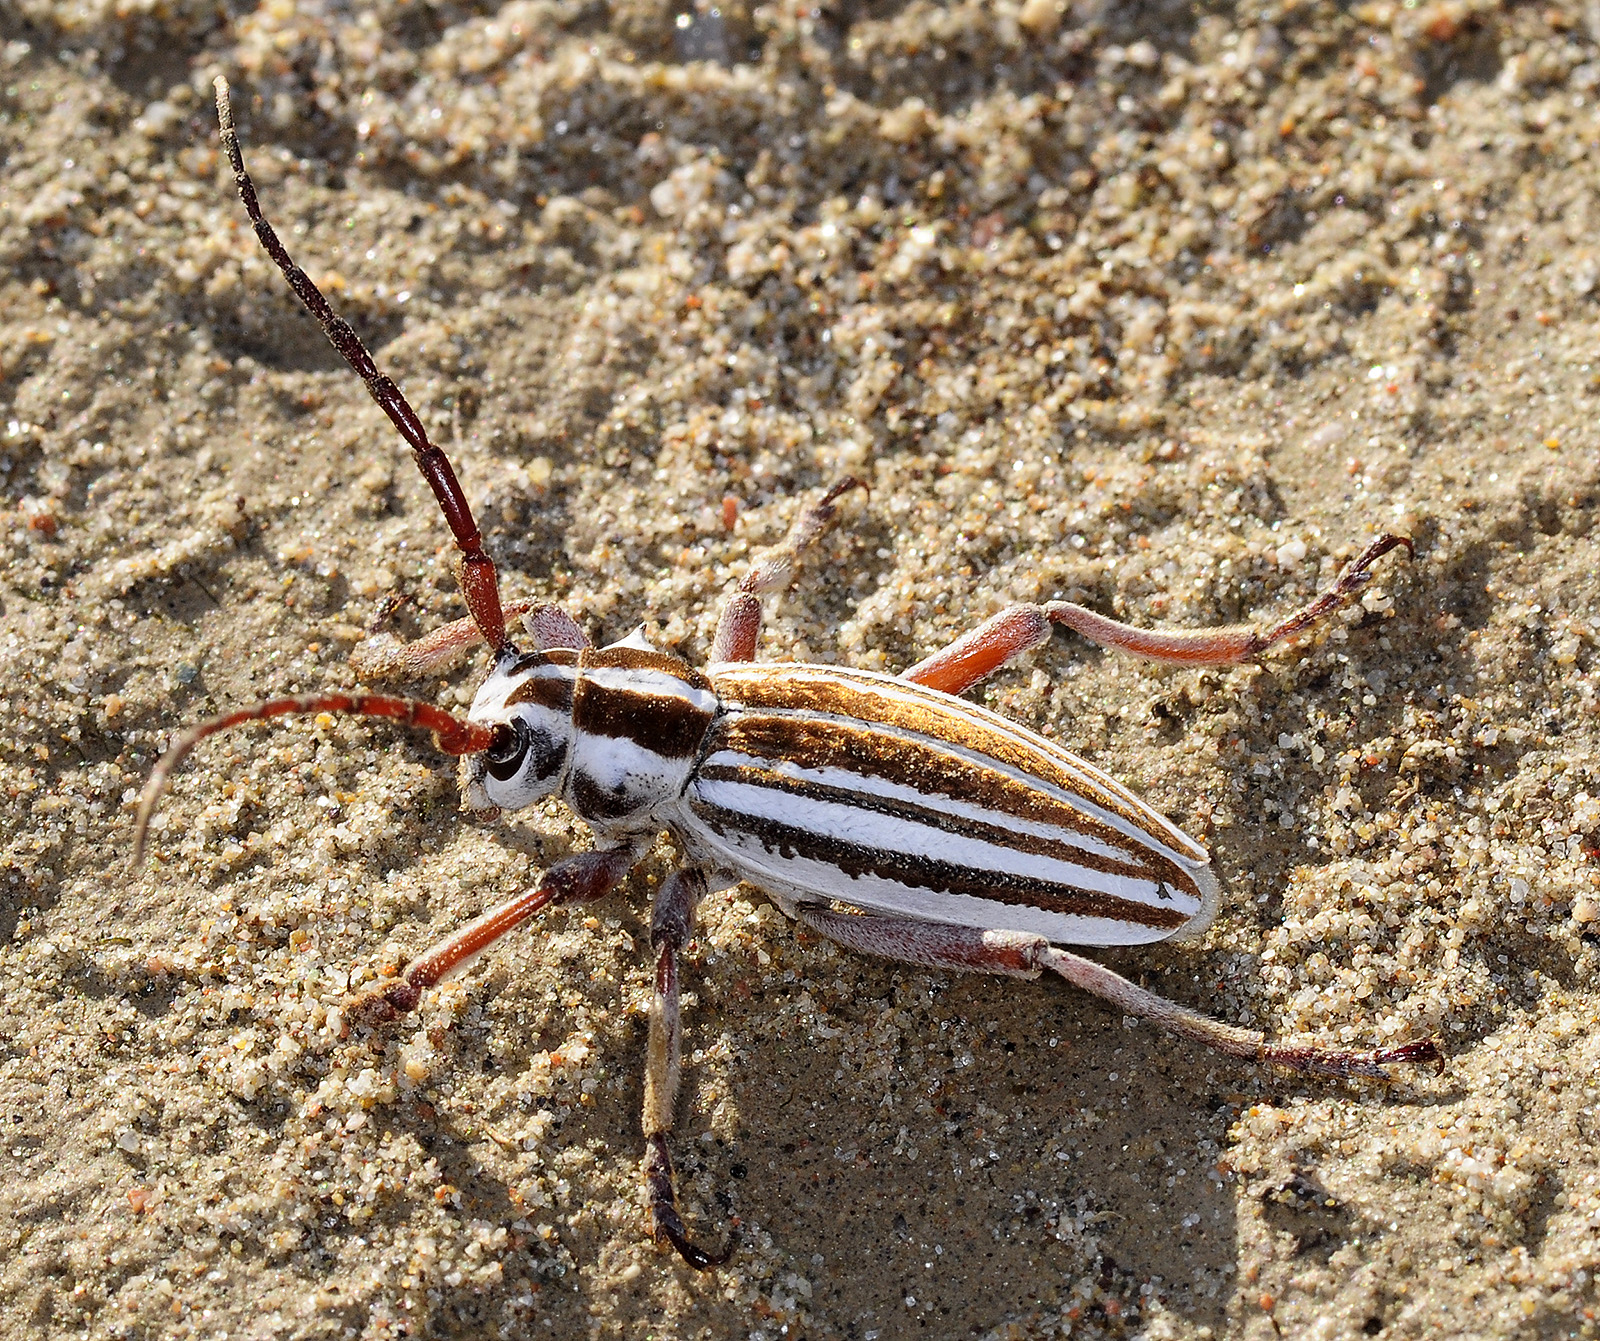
(1423, 1052)
(1356, 574)
(1369, 1065)
(384, 1002)
(671, 1229)
(665, 1222)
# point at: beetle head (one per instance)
(531, 695)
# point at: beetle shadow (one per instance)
(994, 1170)
(1422, 678)
(1024, 1142)
(1002, 1153)
(989, 1178)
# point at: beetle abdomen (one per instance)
(824, 783)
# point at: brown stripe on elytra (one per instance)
(664, 724)
(1154, 867)
(639, 658)
(918, 763)
(553, 691)
(908, 707)
(938, 877)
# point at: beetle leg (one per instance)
(671, 920)
(382, 656)
(981, 651)
(740, 624)
(1227, 1038)
(1021, 628)
(1020, 955)
(578, 879)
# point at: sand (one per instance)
(1164, 309)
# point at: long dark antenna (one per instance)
(480, 586)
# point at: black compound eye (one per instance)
(505, 756)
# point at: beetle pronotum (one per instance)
(883, 812)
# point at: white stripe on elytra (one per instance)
(1184, 848)
(1177, 845)
(942, 802)
(804, 880)
(839, 821)
(1187, 854)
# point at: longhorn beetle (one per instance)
(883, 812)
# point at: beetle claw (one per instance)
(384, 1003)
(698, 1258)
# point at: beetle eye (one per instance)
(504, 757)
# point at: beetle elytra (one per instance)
(884, 812)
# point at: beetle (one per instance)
(884, 812)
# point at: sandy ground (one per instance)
(1163, 308)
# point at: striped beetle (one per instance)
(884, 812)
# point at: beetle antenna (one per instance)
(480, 587)
(453, 735)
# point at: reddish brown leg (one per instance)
(1014, 631)
(1018, 955)
(578, 879)
(740, 625)
(672, 918)
(479, 585)
(385, 657)
(1021, 628)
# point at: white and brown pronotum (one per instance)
(882, 811)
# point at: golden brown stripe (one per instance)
(871, 753)
(869, 698)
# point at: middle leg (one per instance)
(670, 923)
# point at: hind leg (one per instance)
(1018, 955)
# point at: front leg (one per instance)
(1021, 628)
(740, 624)
(671, 922)
(1019, 955)
(578, 879)
(382, 656)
